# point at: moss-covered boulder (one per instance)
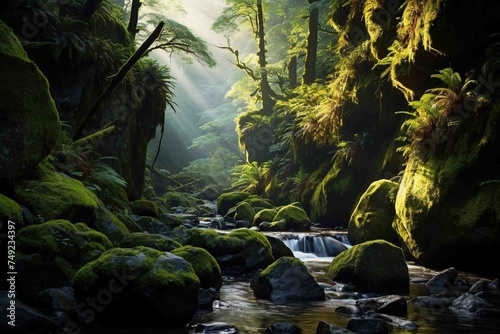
(129, 223)
(51, 195)
(10, 210)
(204, 264)
(244, 211)
(110, 225)
(296, 218)
(286, 280)
(28, 114)
(448, 203)
(266, 215)
(241, 247)
(259, 202)
(373, 216)
(228, 200)
(374, 266)
(76, 243)
(279, 248)
(176, 199)
(156, 241)
(139, 287)
(144, 207)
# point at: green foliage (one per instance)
(248, 178)
(438, 113)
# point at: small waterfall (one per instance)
(307, 246)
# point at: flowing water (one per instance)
(250, 315)
(239, 307)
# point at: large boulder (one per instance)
(374, 266)
(448, 203)
(264, 215)
(286, 280)
(139, 287)
(28, 114)
(228, 200)
(110, 225)
(205, 265)
(241, 247)
(296, 219)
(373, 216)
(77, 243)
(51, 195)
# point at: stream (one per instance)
(239, 307)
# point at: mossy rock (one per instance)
(51, 195)
(373, 216)
(10, 210)
(144, 207)
(151, 225)
(164, 285)
(204, 264)
(175, 199)
(76, 243)
(228, 200)
(279, 248)
(243, 211)
(259, 202)
(264, 215)
(108, 224)
(28, 114)
(156, 241)
(296, 218)
(287, 280)
(274, 226)
(241, 247)
(374, 266)
(129, 223)
(171, 220)
(40, 271)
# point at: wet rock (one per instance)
(283, 328)
(242, 223)
(367, 325)
(495, 284)
(479, 286)
(287, 279)
(349, 311)
(151, 225)
(279, 248)
(214, 328)
(443, 279)
(205, 299)
(488, 313)
(391, 304)
(470, 303)
(374, 266)
(156, 241)
(328, 328)
(398, 322)
(437, 303)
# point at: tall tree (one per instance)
(312, 44)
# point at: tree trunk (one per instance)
(134, 18)
(267, 101)
(117, 78)
(309, 75)
(292, 72)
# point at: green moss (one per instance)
(10, 210)
(244, 212)
(373, 266)
(29, 118)
(259, 202)
(264, 215)
(229, 200)
(296, 218)
(54, 196)
(76, 243)
(156, 241)
(175, 199)
(129, 223)
(373, 216)
(144, 207)
(204, 264)
(108, 224)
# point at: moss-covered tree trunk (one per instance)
(312, 45)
